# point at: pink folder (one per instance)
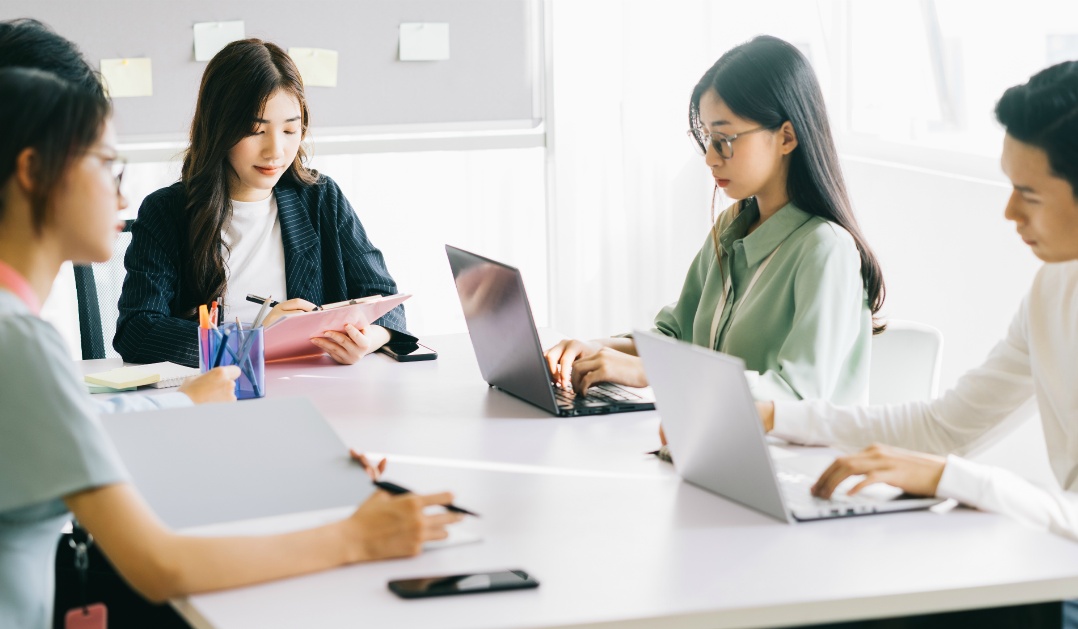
(290, 336)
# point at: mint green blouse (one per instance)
(804, 323)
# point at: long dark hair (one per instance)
(238, 82)
(1043, 112)
(769, 81)
(59, 120)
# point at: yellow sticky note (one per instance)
(317, 66)
(123, 377)
(127, 77)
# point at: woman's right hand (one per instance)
(292, 306)
(388, 526)
(560, 358)
(216, 385)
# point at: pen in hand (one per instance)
(392, 488)
(397, 490)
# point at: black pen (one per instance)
(397, 490)
(260, 300)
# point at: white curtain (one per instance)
(630, 202)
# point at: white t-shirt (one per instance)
(1038, 359)
(254, 258)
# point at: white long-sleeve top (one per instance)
(1037, 359)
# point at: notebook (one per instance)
(158, 375)
(290, 336)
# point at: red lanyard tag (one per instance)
(87, 616)
(90, 617)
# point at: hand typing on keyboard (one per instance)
(583, 364)
(913, 472)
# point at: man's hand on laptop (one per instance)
(913, 472)
(767, 414)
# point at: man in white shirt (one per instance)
(916, 446)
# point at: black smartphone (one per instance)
(463, 584)
(408, 352)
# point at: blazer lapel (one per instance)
(302, 260)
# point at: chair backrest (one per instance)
(97, 287)
(905, 364)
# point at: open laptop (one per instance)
(507, 344)
(718, 443)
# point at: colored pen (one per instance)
(223, 340)
(397, 490)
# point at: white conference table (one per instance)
(613, 535)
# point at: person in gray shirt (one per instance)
(59, 198)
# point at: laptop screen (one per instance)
(501, 326)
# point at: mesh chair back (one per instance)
(98, 289)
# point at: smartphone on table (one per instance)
(463, 584)
(408, 352)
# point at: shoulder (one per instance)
(821, 243)
(1054, 286)
(164, 205)
(324, 191)
(821, 236)
(1057, 275)
(35, 356)
(167, 197)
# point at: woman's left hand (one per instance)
(913, 472)
(607, 365)
(348, 346)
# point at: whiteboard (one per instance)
(492, 78)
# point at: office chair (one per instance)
(905, 363)
(97, 287)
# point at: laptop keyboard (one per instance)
(602, 393)
(797, 491)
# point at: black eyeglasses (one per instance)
(722, 143)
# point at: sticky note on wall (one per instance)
(211, 37)
(126, 78)
(317, 66)
(424, 41)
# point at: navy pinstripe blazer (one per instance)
(327, 258)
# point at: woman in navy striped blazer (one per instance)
(247, 216)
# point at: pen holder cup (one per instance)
(236, 345)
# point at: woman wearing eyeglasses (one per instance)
(785, 279)
(58, 202)
(248, 217)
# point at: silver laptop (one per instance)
(507, 344)
(718, 443)
(226, 462)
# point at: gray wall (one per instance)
(488, 78)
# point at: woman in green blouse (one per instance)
(785, 280)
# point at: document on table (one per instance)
(463, 533)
